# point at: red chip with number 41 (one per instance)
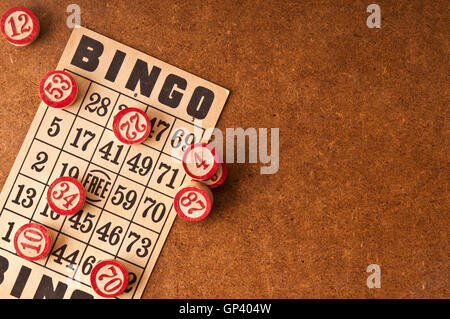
(65, 195)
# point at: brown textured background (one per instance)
(364, 146)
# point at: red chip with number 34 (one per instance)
(65, 195)
(194, 201)
(200, 161)
(19, 26)
(131, 125)
(58, 89)
(109, 278)
(32, 241)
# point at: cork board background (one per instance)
(363, 117)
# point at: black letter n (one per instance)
(140, 74)
(87, 54)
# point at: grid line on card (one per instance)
(21, 165)
(55, 271)
(102, 208)
(153, 248)
(50, 175)
(87, 169)
(142, 196)
(133, 98)
(106, 169)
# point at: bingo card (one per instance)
(129, 189)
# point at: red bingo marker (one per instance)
(58, 89)
(109, 278)
(131, 126)
(219, 176)
(200, 161)
(65, 196)
(19, 26)
(193, 201)
(32, 241)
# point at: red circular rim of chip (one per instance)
(222, 178)
(116, 122)
(214, 167)
(68, 100)
(80, 202)
(46, 236)
(181, 193)
(99, 266)
(31, 37)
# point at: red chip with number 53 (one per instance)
(65, 196)
(194, 201)
(32, 241)
(109, 278)
(131, 125)
(58, 89)
(19, 26)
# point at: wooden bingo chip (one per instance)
(131, 126)
(19, 26)
(32, 241)
(200, 161)
(193, 201)
(109, 278)
(65, 196)
(219, 176)
(58, 89)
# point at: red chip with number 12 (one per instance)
(65, 195)
(109, 278)
(58, 89)
(19, 26)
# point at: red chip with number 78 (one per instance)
(194, 201)
(109, 278)
(32, 241)
(65, 196)
(58, 89)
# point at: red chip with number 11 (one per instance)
(58, 89)
(65, 196)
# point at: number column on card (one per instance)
(75, 161)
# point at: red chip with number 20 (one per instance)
(109, 278)
(32, 241)
(65, 196)
(58, 89)
(194, 201)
